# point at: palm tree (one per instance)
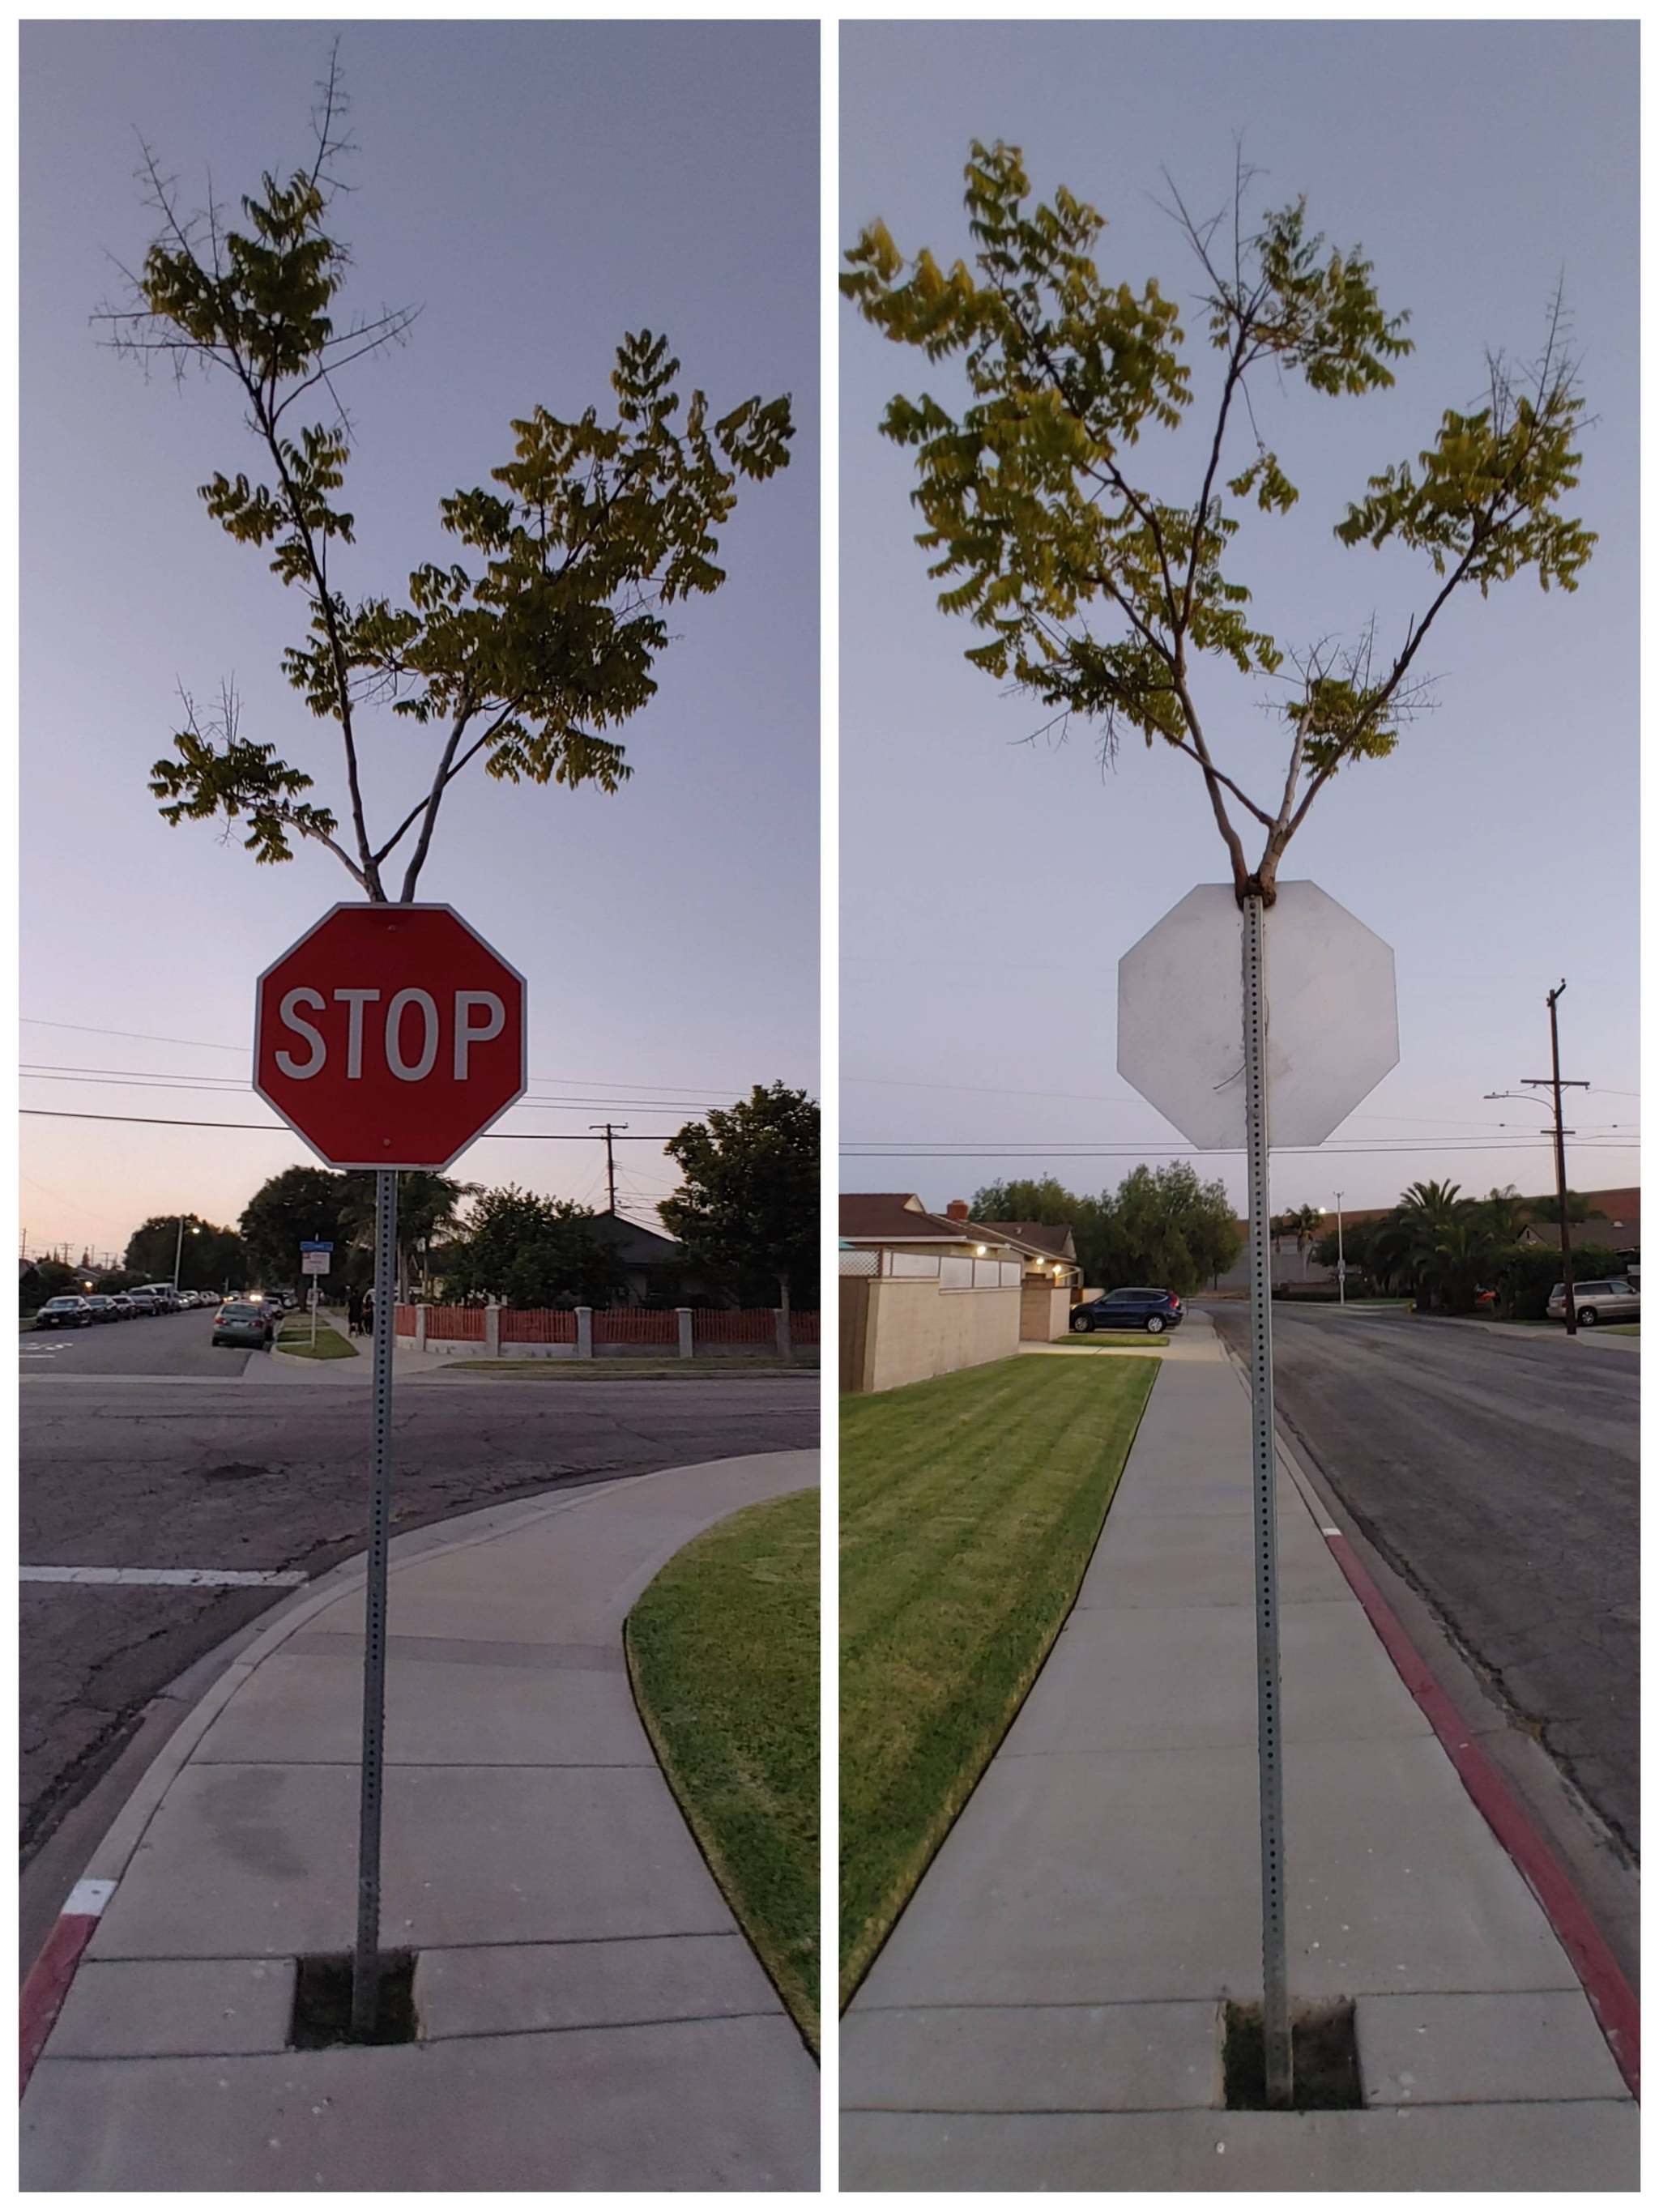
(427, 1205)
(1304, 1223)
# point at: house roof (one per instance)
(1052, 1237)
(1623, 1234)
(637, 1246)
(899, 1217)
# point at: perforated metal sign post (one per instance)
(388, 1037)
(1309, 1052)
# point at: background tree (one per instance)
(531, 1251)
(1161, 1226)
(1548, 1208)
(748, 1208)
(429, 1205)
(528, 652)
(45, 1279)
(300, 1205)
(1101, 598)
(209, 1259)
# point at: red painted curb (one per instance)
(1611, 1996)
(47, 1986)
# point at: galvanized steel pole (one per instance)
(366, 1961)
(1275, 1995)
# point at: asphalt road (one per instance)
(121, 1472)
(1498, 1473)
(155, 1344)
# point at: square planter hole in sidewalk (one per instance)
(1324, 2058)
(322, 2002)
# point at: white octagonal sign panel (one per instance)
(1332, 1029)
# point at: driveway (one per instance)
(1499, 1476)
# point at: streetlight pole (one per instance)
(177, 1255)
(1341, 1264)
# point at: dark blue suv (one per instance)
(1152, 1310)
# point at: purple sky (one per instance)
(988, 887)
(539, 189)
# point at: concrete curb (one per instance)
(48, 1979)
(1611, 1997)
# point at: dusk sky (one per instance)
(989, 886)
(538, 190)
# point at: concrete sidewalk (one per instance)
(591, 2016)
(1045, 2015)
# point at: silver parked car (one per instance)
(1614, 1300)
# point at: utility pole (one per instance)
(1553, 1082)
(1342, 1265)
(610, 1128)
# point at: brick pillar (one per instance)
(781, 1329)
(420, 1327)
(584, 1332)
(492, 1331)
(682, 1315)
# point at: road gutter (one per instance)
(1531, 1807)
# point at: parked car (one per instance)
(245, 1322)
(124, 1309)
(164, 1298)
(103, 1307)
(1152, 1310)
(143, 1300)
(1616, 1300)
(65, 1313)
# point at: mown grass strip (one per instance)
(294, 1338)
(723, 1651)
(969, 1506)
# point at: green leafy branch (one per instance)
(530, 654)
(1039, 527)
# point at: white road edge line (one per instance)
(168, 1578)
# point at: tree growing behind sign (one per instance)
(532, 647)
(531, 1252)
(300, 1206)
(209, 1258)
(1161, 1226)
(747, 1210)
(1102, 599)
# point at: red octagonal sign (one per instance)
(390, 1036)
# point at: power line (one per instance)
(1412, 1148)
(281, 1129)
(673, 1095)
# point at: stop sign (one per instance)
(390, 1036)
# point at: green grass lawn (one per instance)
(723, 1650)
(969, 1506)
(294, 1337)
(1623, 1328)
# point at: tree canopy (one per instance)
(532, 646)
(1100, 598)
(1161, 1226)
(300, 1205)
(209, 1258)
(748, 1209)
(531, 1251)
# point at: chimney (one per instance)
(956, 1210)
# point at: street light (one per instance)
(179, 1249)
(1341, 1264)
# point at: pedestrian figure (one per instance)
(355, 1311)
(368, 1313)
